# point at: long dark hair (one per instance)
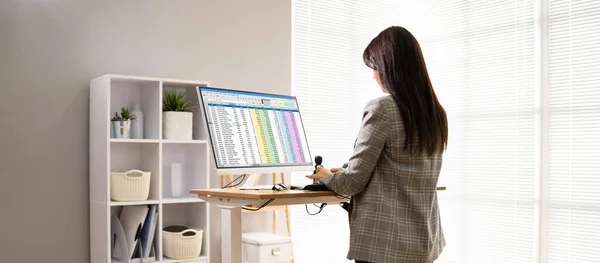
(396, 55)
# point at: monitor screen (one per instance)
(249, 129)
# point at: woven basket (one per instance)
(182, 242)
(131, 185)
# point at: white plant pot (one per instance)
(177, 125)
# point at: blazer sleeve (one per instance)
(369, 144)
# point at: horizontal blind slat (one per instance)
(574, 38)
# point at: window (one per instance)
(482, 56)
(520, 81)
(574, 131)
(331, 83)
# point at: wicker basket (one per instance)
(131, 185)
(181, 242)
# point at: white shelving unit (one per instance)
(153, 154)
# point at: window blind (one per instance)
(574, 137)
(482, 60)
(332, 85)
(481, 57)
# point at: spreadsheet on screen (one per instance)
(249, 129)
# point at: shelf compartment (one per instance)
(198, 132)
(146, 202)
(114, 140)
(182, 200)
(190, 215)
(135, 260)
(141, 156)
(130, 93)
(185, 141)
(191, 260)
(133, 225)
(183, 168)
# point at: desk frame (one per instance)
(231, 218)
(231, 201)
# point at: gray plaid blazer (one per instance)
(394, 214)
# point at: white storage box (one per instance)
(261, 247)
(127, 186)
(181, 242)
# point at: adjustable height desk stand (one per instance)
(253, 180)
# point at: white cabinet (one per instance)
(261, 247)
(168, 193)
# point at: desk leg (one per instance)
(231, 234)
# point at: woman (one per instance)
(393, 173)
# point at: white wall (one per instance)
(50, 49)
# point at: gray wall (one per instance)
(50, 49)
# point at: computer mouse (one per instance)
(279, 187)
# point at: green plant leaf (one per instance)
(175, 101)
(116, 117)
(125, 115)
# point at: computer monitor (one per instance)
(255, 132)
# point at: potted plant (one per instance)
(122, 123)
(177, 116)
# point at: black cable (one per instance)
(260, 207)
(324, 204)
(229, 184)
(320, 209)
(344, 205)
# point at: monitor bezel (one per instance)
(260, 168)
